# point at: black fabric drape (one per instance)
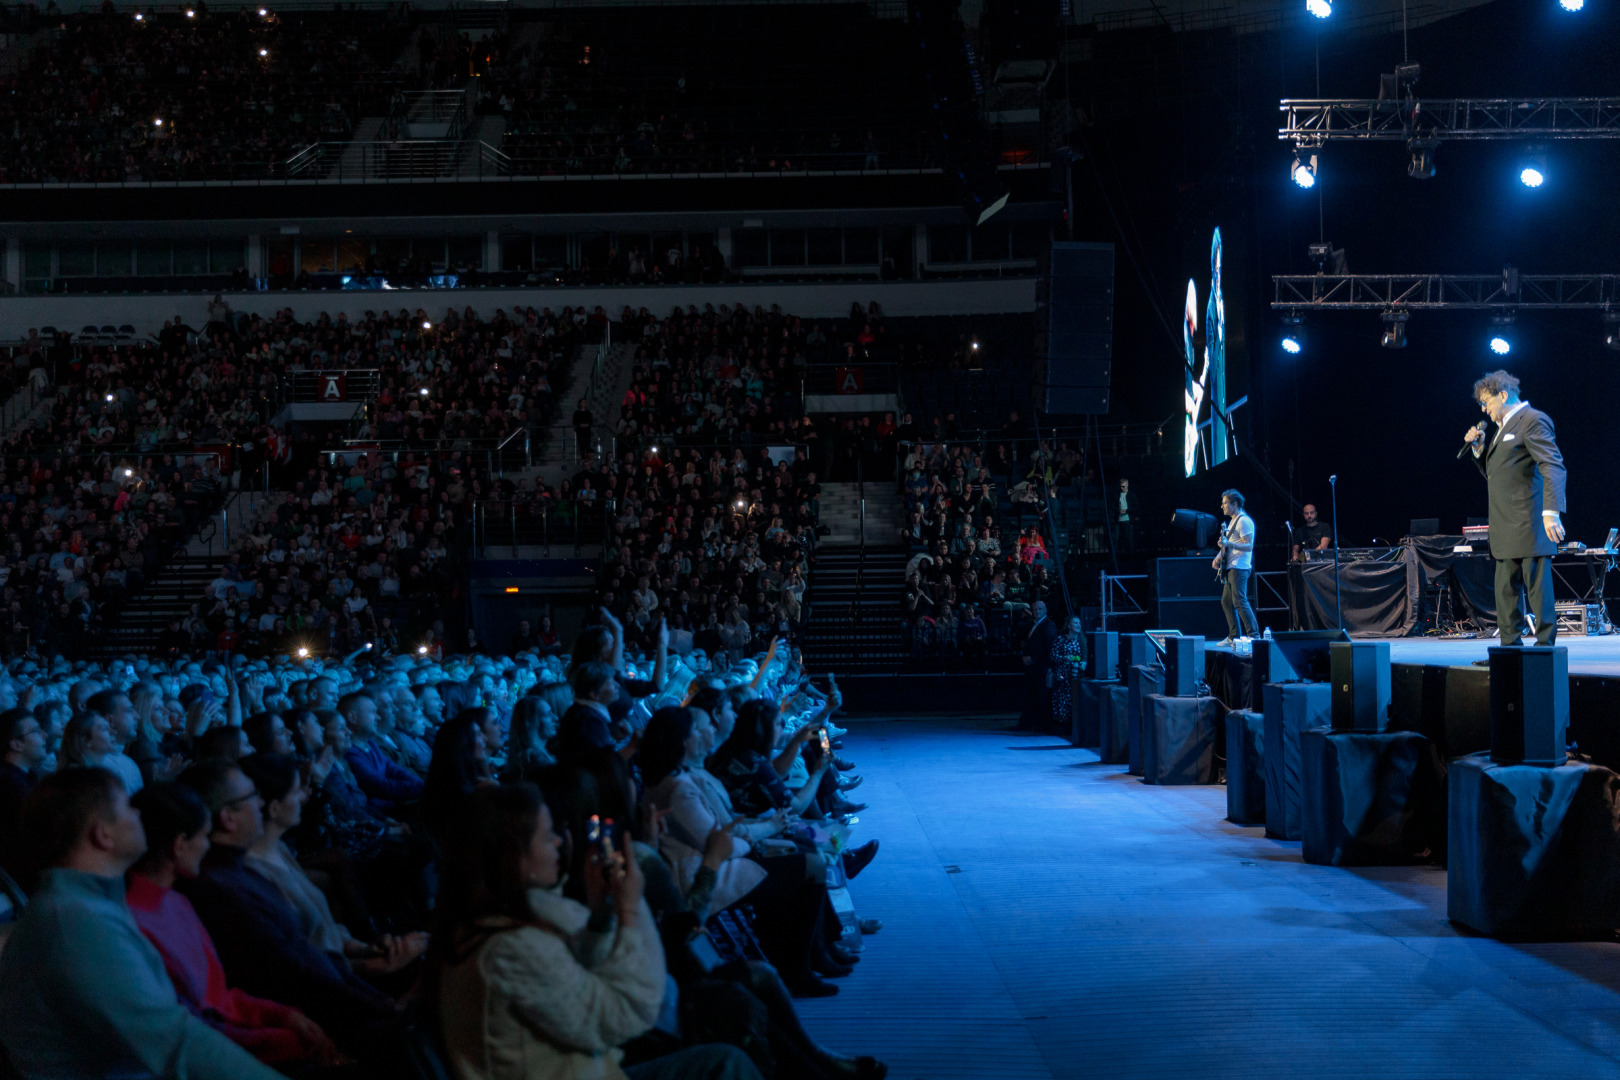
(1533, 852)
(1380, 597)
(1370, 799)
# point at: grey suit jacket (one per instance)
(1524, 475)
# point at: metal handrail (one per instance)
(1109, 586)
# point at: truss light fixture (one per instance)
(1501, 339)
(1611, 330)
(1320, 8)
(1394, 329)
(1572, 5)
(1421, 166)
(1533, 167)
(1304, 170)
(1293, 338)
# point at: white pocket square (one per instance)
(1509, 438)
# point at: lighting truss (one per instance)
(1313, 123)
(1455, 292)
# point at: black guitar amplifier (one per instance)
(1582, 619)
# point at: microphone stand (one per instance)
(1338, 597)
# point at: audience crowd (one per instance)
(127, 95)
(545, 864)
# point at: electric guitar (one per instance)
(1220, 560)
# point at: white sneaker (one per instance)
(1223, 642)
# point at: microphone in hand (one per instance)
(1476, 434)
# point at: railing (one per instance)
(334, 385)
(543, 525)
(852, 376)
(433, 109)
(1117, 601)
(511, 451)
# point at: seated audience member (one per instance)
(22, 742)
(527, 982)
(533, 725)
(176, 826)
(789, 896)
(460, 767)
(281, 785)
(61, 1015)
(257, 932)
(388, 787)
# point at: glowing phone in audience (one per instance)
(826, 743)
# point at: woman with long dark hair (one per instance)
(459, 767)
(529, 983)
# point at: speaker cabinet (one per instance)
(1183, 666)
(1136, 649)
(1080, 328)
(1103, 654)
(1361, 685)
(1529, 704)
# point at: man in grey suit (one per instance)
(1524, 476)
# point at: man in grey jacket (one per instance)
(1524, 477)
(82, 993)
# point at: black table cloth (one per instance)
(1533, 853)
(1178, 739)
(1245, 767)
(1370, 799)
(1088, 706)
(1114, 740)
(1291, 710)
(1141, 680)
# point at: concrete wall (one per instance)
(819, 301)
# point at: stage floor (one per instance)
(1049, 916)
(1587, 655)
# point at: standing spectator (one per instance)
(583, 420)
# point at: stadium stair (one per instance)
(855, 611)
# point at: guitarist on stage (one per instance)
(1233, 564)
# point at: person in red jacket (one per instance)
(176, 823)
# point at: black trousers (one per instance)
(1534, 576)
(1235, 605)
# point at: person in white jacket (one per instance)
(530, 985)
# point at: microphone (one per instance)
(1467, 446)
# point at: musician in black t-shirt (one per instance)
(1313, 536)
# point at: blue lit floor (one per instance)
(1048, 916)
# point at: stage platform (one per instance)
(1047, 916)
(1440, 691)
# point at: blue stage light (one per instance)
(1303, 170)
(1572, 5)
(1291, 345)
(1532, 177)
(1501, 346)
(1320, 8)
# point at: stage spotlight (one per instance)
(1320, 8)
(1421, 167)
(1611, 330)
(1533, 167)
(264, 52)
(1394, 330)
(1304, 170)
(1293, 339)
(1501, 339)
(1572, 5)
(1500, 345)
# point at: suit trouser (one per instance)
(1534, 576)
(1235, 605)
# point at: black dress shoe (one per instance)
(850, 783)
(809, 985)
(855, 860)
(844, 807)
(842, 955)
(843, 764)
(832, 969)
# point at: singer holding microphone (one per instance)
(1524, 478)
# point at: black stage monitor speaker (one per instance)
(1080, 328)
(1361, 686)
(1424, 527)
(1103, 654)
(1296, 656)
(1529, 704)
(1183, 666)
(1136, 649)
